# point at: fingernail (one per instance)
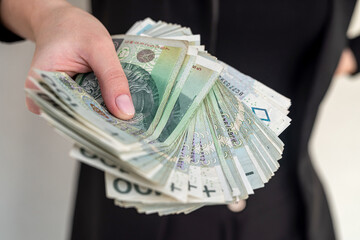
(125, 105)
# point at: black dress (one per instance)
(289, 46)
(293, 47)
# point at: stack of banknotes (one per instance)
(203, 133)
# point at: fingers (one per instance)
(29, 103)
(113, 82)
(43, 63)
(347, 63)
(98, 55)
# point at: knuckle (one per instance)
(95, 45)
(114, 76)
(100, 42)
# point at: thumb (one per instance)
(112, 80)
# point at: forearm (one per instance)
(24, 17)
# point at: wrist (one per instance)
(24, 17)
(41, 15)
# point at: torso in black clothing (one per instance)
(275, 42)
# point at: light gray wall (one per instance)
(38, 179)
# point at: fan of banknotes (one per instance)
(203, 133)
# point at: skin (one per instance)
(347, 64)
(71, 40)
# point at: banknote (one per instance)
(151, 67)
(203, 133)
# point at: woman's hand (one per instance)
(347, 63)
(71, 40)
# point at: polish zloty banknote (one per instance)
(203, 133)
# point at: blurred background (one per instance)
(38, 180)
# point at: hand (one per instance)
(71, 40)
(347, 63)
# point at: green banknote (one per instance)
(203, 133)
(151, 67)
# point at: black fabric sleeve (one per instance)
(354, 45)
(7, 36)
